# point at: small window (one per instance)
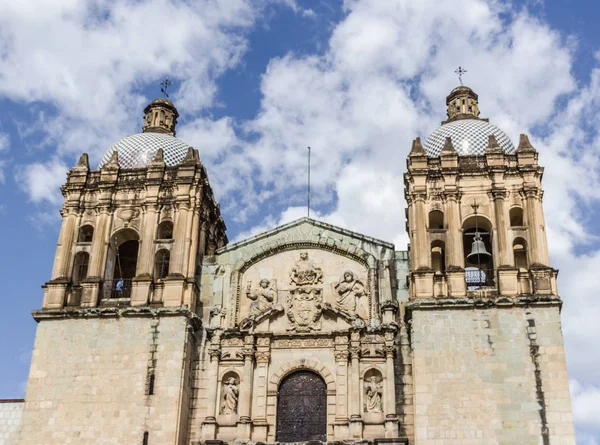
(438, 257)
(145, 439)
(520, 253)
(165, 230)
(436, 219)
(161, 264)
(516, 217)
(80, 267)
(86, 234)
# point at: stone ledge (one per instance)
(482, 303)
(117, 312)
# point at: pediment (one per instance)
(306, 233)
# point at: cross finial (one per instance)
(460, 71)
(164, 85)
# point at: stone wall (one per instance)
(490, 376)
(90, 380)
(10, 418)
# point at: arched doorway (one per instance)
(302, 408)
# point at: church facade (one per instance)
(153, 329)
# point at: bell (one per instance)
(478, 253)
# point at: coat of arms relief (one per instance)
(347, 297)
(305, 301)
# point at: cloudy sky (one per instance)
(256, 82)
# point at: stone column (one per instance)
(99, 244)
(538, 252)
(421, 249)
(391, 419)
(209, 426)
(341, 428)
(150, 224)
(504, 257)
(454, 245)
(244, 425)
(65, 244)
(354, 396)
(179, 239)
(259, 408)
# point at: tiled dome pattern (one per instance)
(469, 137)
(137, 150)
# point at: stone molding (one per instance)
(482, 303)
(301, 364)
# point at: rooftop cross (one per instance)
(164, 85)
(460, 71)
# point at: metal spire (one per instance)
(460, 71)
(308, 194)
(164, 85)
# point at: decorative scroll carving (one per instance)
(352, 295)
(234, 341)
(305, 272)
(262, 298)
(373, 395)
(229, 398)
(304, 309)
(295, 343)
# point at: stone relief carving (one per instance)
(262, 298)
(373, 395)
(352, 295)
(305, 272)
(304, 309)
(229, 399)
(295, 343)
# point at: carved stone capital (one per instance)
(355, 352)
(341, 356)
(263, 357)
(390, 350)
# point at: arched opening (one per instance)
(516, 217)
(80, 267)
(438, 256)
(161, 264)
(86, 234)
(302, 408)
(436, 219)
(520, 253)
(165, 230)
(121, 264)
(478, 251)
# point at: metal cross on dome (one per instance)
(460, 71)
(164, 85)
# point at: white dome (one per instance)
(469, 137)
(138, 150)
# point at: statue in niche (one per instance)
(305, 272)
(262, 298)
(229, 403)
(373, 394)
(350, 294)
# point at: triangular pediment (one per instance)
(307, 232)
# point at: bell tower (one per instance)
(121, 314)
(482, 291)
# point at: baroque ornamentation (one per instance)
(373, 395)
(305, 272)
(352, 295)
(295, 343)
(262, 298)
(229, 399)
(304, 309)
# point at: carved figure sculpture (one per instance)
(262, 298)
(305, 272)
(350, 291)
(229, 404)
(373, 393)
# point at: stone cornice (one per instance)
(113, 312)
(482, 303)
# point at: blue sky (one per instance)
(256, 82)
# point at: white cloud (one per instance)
(42, 181)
